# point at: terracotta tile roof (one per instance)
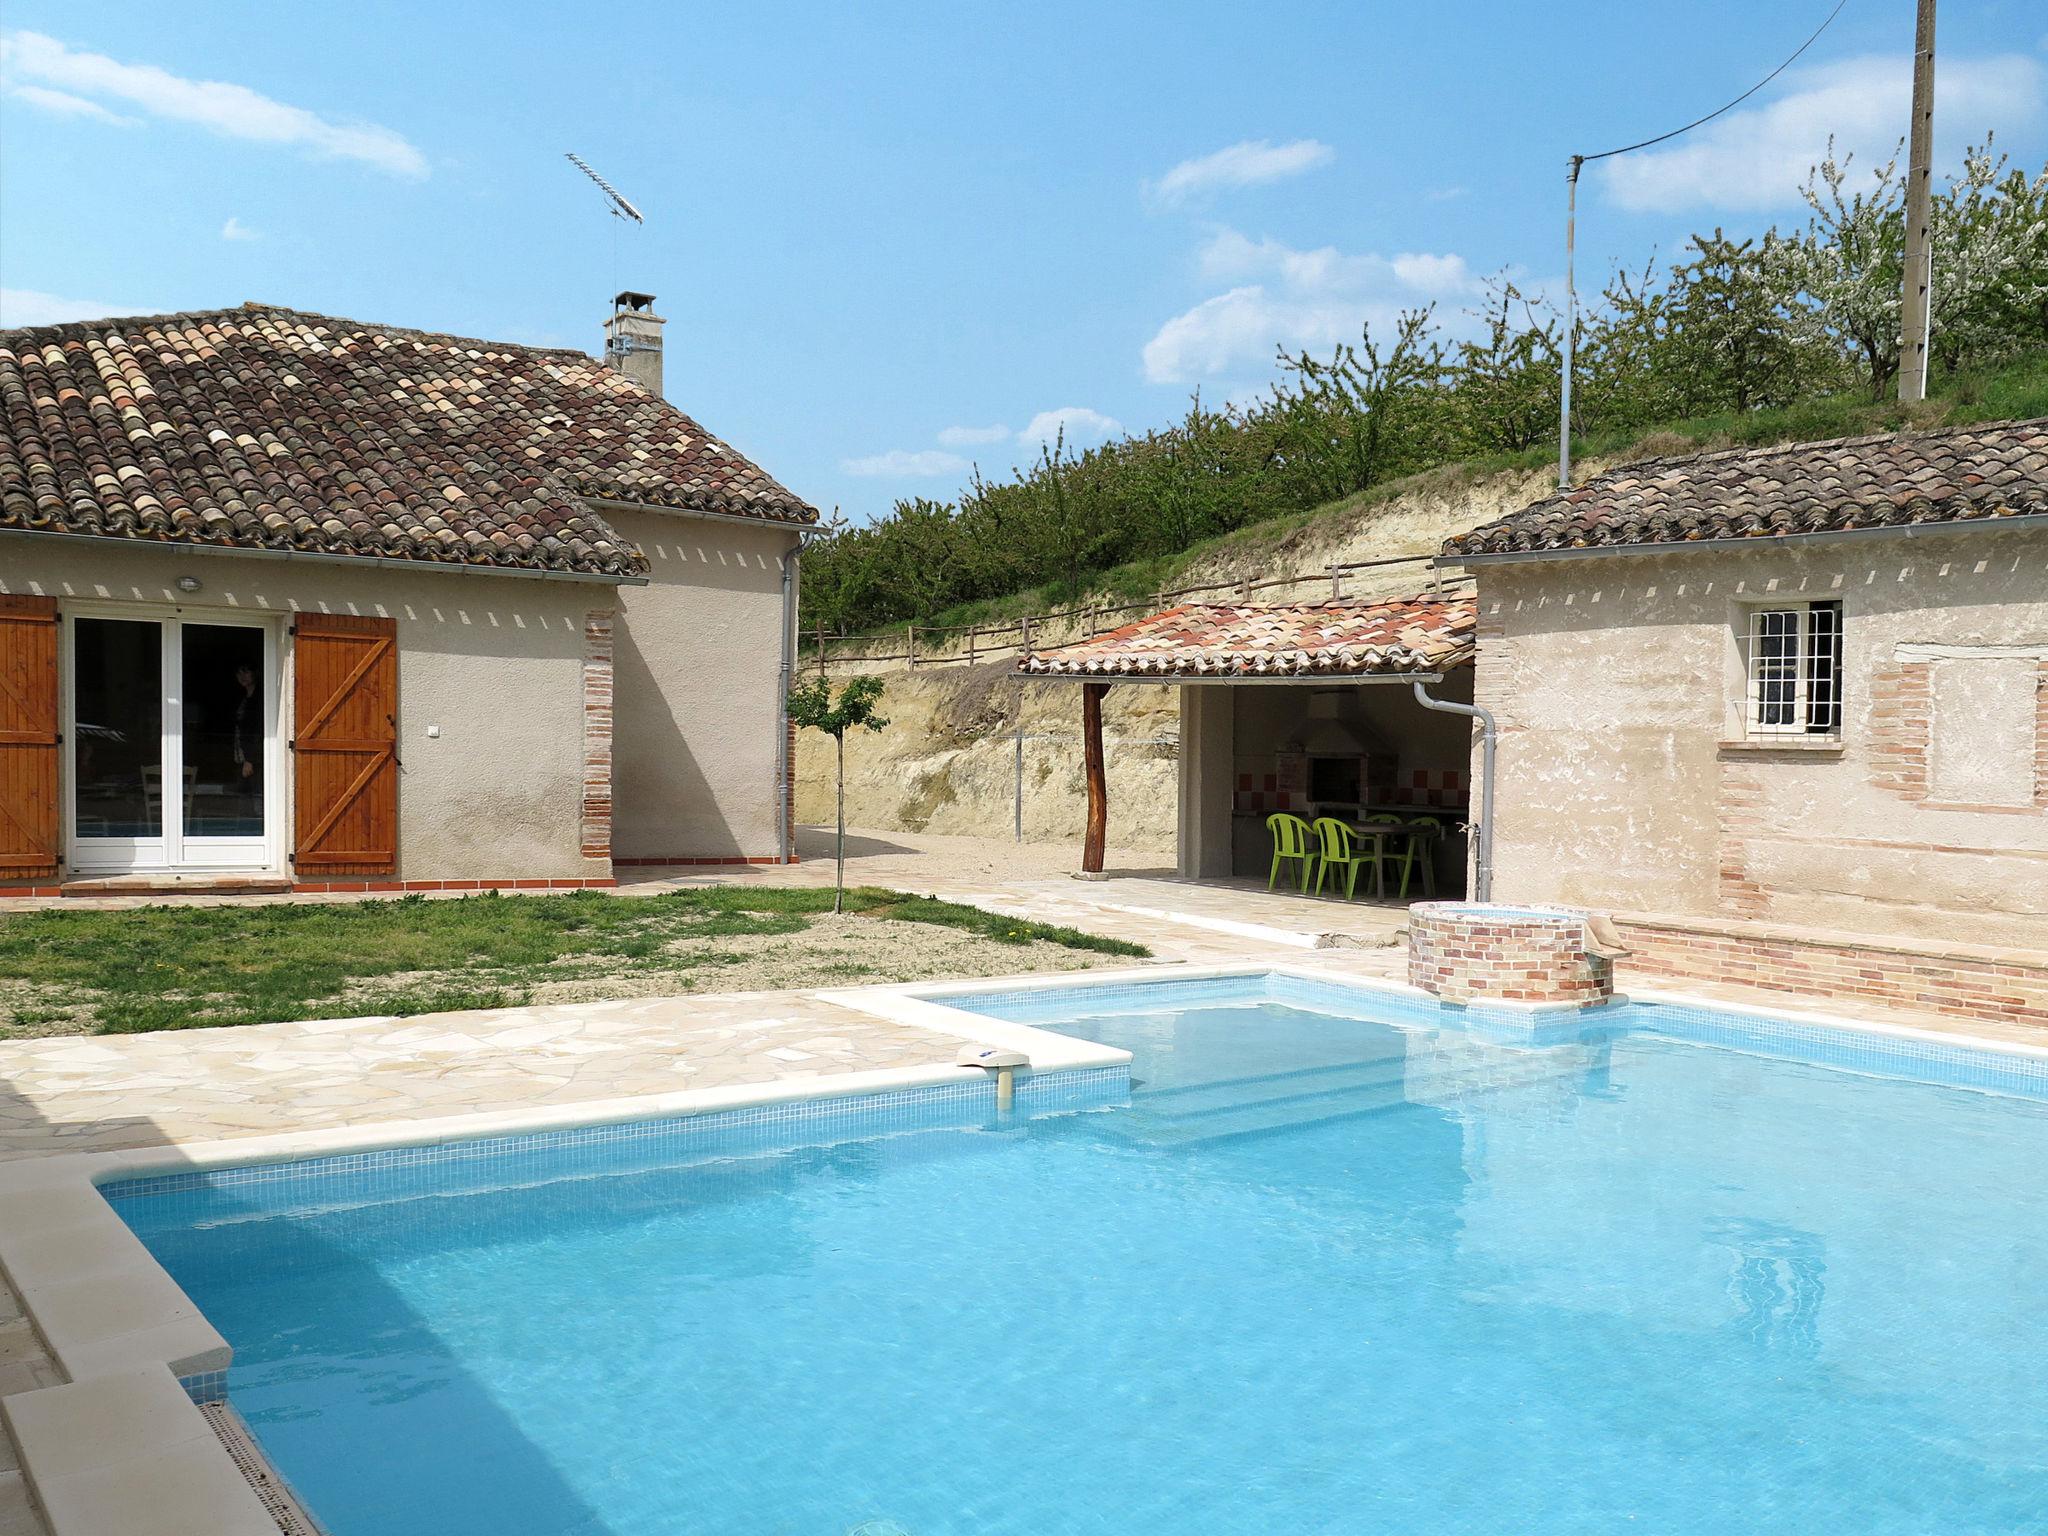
(1351, 638)
(269, 428)
(1952, 475)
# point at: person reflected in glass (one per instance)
(248, 717)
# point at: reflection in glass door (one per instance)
(117, 734)
(172, 744)
(221, 702)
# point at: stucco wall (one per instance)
(494, 661)
(1613, 677)
(698, 689)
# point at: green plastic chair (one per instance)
(1339, 846)
(1290, 842)
(1404, 858)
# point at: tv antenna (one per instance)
(620, 208)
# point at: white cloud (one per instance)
(1250, 164)
(903, 464)
(1292, 298)
(967, 437)
(31, 306)
(64, 104)
(235, 229)
(233, 111)
(1758, 159)
(1082, 427)
(1444, 194)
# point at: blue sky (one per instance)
(891, 240)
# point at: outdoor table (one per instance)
(1426, 832)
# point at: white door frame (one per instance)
(173, 851)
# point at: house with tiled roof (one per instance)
(1763, 690)
(290, 599)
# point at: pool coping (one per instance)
(123, 1450)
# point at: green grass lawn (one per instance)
(152, 968)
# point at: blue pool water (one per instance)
(1324, 1274)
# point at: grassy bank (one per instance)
(2015, 392)
(181, 967)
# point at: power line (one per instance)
(1608, 154)
(1571, 219)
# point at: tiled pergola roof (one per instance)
(1215, 642)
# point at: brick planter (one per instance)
(1464, 952)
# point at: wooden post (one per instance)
(1244, 592)
(910, 647)
(1024, 634)
(970, 647)
(1919, 256)
(1336, 583)
(1098, 787)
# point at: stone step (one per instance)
(1267, 1115)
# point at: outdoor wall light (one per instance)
(188, 583)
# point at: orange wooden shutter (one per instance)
(28, 736)
(345, 745)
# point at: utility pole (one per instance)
(1571, 322)
(1917, 298)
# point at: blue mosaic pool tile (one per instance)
(206, 1386)
(1951, 1064)
(1956, 1065)
(497, 1161)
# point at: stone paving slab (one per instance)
(100, 1093)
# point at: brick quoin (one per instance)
(596, 836)
(1902, 703)
(2041, 733)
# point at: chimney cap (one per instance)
(632, 300)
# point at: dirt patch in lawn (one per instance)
(843, 951)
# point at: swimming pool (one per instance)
(1340, 1264)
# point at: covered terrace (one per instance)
(1310, 708)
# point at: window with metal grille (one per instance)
(1793, 663)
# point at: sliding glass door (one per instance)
(173, 749)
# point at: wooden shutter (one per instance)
(28, 737)
(344, 745)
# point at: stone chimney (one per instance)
(632, 340)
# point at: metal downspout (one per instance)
(1489, 735)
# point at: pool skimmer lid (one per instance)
(1001, 1061)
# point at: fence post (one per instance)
(1336, 582)
(910, 648)
(1024, 634)
(1244, 592)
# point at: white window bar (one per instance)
(1793, 668)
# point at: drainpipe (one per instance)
(1489, 737)
(783, 767)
